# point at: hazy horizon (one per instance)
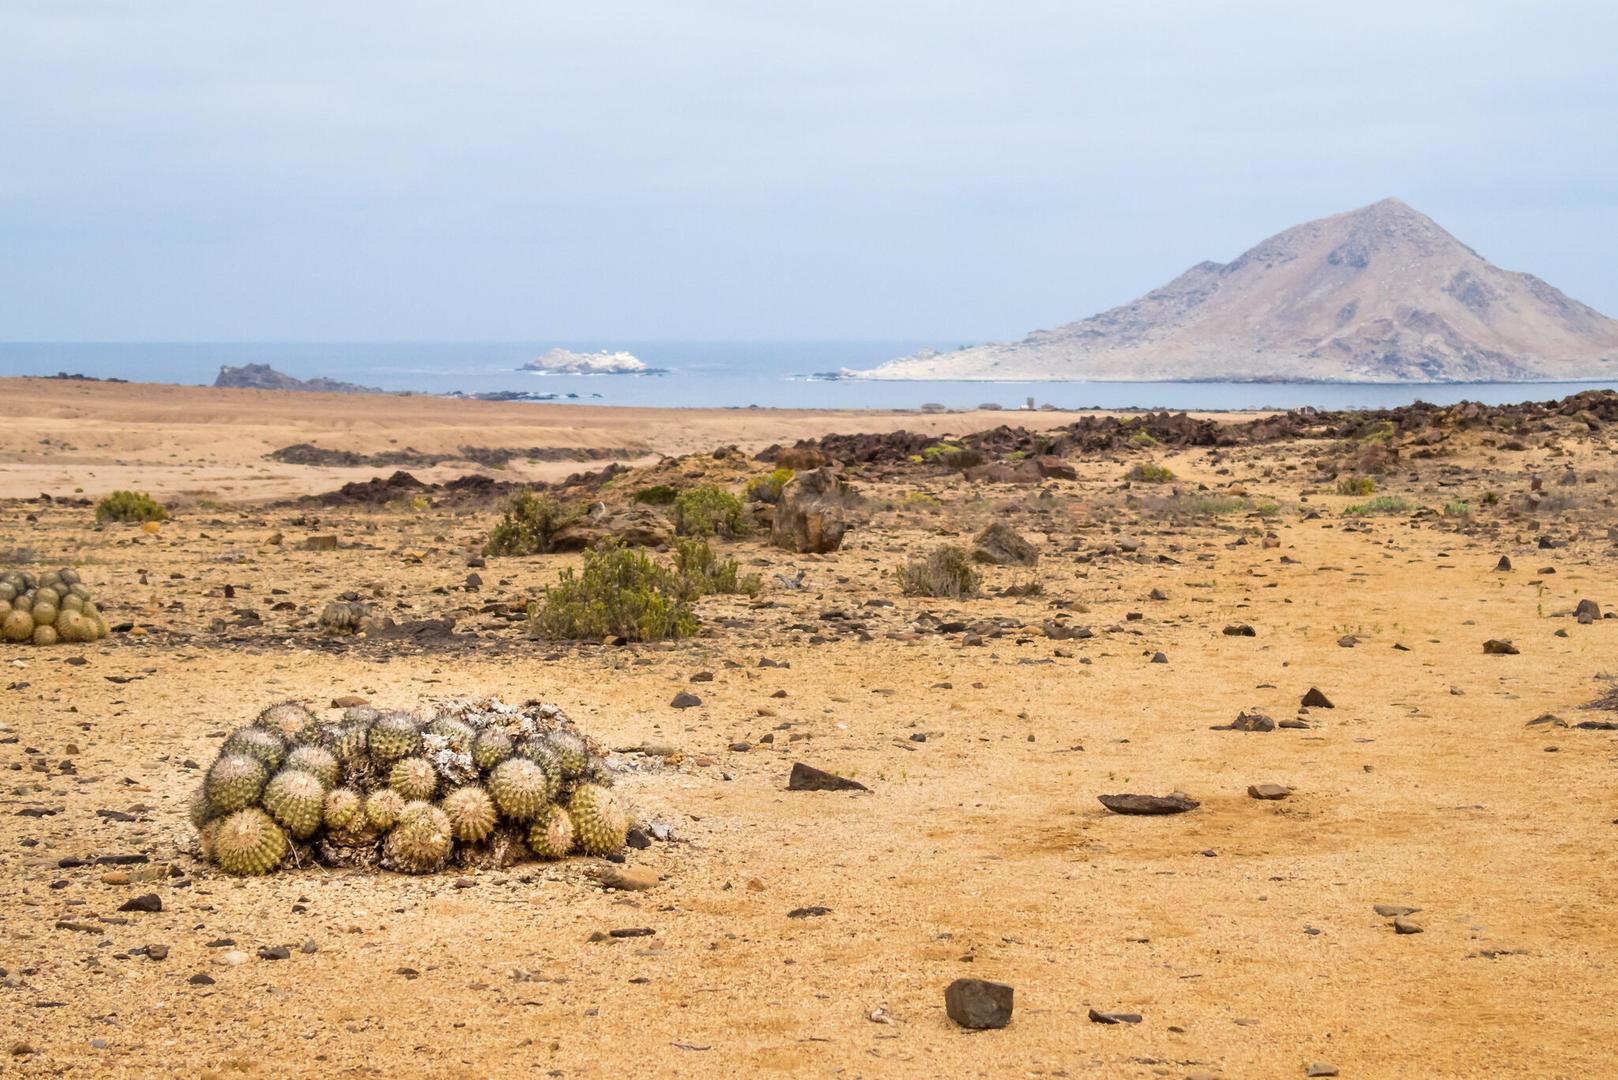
(726, 172)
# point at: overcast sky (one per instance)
(745, 169)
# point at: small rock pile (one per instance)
(51, 608)
(482, 783)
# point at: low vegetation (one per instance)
(947, 572)
(530, 526)
(623, 592)
(767, 488)
(655, 495)
(133, 506)
(1149, 472)
(708, 510)
(1382, 504)
(1355, 485)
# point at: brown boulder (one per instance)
(810, 515)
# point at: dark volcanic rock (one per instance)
(1496, 647)
(978, 1003)
(264, 377)
(1148, 804)
(1314, 699)
(808, 778)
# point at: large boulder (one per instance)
(811, 514)
(1001, 545)
(636, 526)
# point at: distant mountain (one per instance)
(1379, 294)
(264, 377)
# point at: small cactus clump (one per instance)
(50, 609)
(479, 783)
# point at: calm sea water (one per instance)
(721, 374)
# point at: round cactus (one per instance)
(319, 763)
(414, 778)
(457, 734)
(551, 834)
(344, 811)
(570, 753)
(19, 626)
(600, 826)
(393, 735)
(347, 741)
(45, 635)
(471, 811)
(297, 801)
(492, 747)
(248, 843)
(255, 742)
(382, 808)
(521, 788)
(421, 842)
(198, 809)
(234, 781)
(290, 720)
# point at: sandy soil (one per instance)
(1242, 932)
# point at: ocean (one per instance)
(711, 374)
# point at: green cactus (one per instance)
(290, 720)
(248, 843)
(600, 826)
(550, 836)
(344, 811)
(297, 801)
(570, 753)
(255, 742)
(382, 808)
(521, 788)
(234, 781)
(393, 735)
(471, 812)
(317, 762)
(420, 842)
(414, 778)
(492, 747)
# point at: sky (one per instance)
(752, 170)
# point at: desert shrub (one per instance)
(1143, 438)
(1355, 485)
(701, 572)
(130, 506)
(1267, 509)
(530, 526)
(1192, 506)
(767, 488)
(947, 571)
(1490, 498)
(1457, 508)
(655, 495)
(709, 511)
(1382, 504)
(620, 592)
(1149, 472)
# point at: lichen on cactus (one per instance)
(521, 788)
(297, 801)
(249, 843)
(600, 825)
(234, 781)
(472, 813)
(550, 835)
(420, 842)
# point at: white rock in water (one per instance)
(566, 362)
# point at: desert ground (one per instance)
(813, 932)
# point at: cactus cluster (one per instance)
(480, 783)
(51, 608)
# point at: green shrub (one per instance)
(946, 572)
(620, 592)
(1143, 438)
(129, 506)
(701, 572)
(1149, 472)
(530, 526)
(656, 495)
(1490, 498)
(1457, 508)
(1355, 485)
(1382, 504)
(767, 488)
(709, 511)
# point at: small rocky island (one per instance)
(561, 361)
(264, 377)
